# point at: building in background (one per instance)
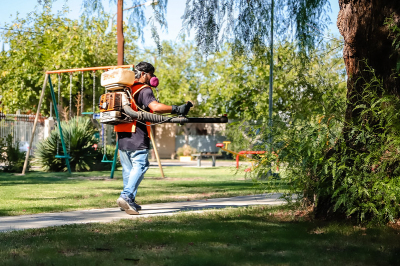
(202, 137)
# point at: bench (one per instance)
(200, 155)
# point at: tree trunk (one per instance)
(368, 44)
(367, 41)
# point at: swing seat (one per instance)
(62, 156)
(95, 115)
(105, 160)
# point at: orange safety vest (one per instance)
(131, 127)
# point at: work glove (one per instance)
(181, 109)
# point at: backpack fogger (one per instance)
(117, 82)
(115, 104)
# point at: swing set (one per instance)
(47, 79)
(95, 115)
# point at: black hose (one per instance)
(129, 111)
(184, 120)
(154, 118)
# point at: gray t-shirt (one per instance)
(139, 140)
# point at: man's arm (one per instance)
(174, 109)
(160, 107)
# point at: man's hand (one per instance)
(181, 109)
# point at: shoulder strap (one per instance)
(135, 91)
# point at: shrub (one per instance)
(11, 156)
(186, 150)
(99, 166)
(351, 172)
(2, 150)
(79, 138)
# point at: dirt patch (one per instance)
(303, 215)
(395, 225)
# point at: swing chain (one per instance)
(94, 91)
(105, 139)
(82, 94)
(59, 98)
(70, 95)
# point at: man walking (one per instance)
(134, 139)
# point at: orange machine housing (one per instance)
(111, 101)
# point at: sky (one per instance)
(175, 10)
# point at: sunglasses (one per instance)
(151, 75)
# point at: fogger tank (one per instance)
(117, 82)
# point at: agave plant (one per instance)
(79, 138)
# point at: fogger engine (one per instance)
(117, 82)
(111, 108)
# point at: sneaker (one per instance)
(127, 204)
(137, 206)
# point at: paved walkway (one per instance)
(10, 223)
(205, 162)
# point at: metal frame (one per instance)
(66, 155)
(47, 78)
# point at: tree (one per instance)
(368, 44)
(246, 24)
(44, 41)
(134, 13)
(237, 87)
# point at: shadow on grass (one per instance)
(226, 238)
(45, 178)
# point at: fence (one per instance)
(20, 127)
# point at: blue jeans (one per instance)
(134, 165)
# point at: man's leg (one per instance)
(133, 196)
(126, 169)
(139, 165)
(126, 165)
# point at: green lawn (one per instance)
(244, 236)
(39, 192)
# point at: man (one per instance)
(133, 138)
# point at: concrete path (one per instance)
(206, 162)
(10, 223)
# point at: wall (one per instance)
(202, 143)
(164, 135)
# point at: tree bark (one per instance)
(367, 42)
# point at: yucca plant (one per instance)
(79, 138)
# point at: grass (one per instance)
(244, 236)
(39, 192)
